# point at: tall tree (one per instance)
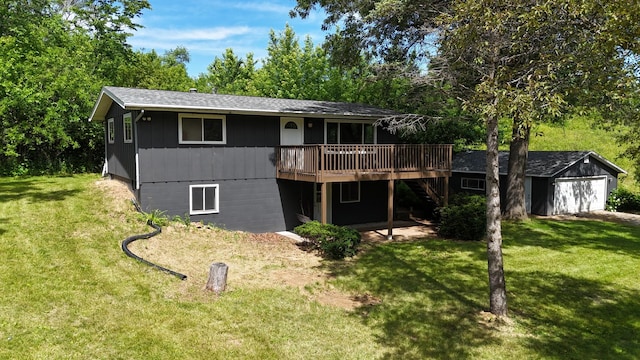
(229, 75)
(526, 61)
(152, 71)
(45, 97)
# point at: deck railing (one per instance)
(327, 160)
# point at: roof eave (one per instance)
(228, 111)
(100, 109)
(609, 163)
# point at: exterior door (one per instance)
(316, 203)
(575, 195)
(292, 134)
(291, 131)
(527, 193)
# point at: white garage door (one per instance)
(574, 195)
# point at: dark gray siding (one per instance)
(385, 137)
(371, 208)
(257, 205)
(250, 197)
(248, 154)
(120, 155)
(313, 131)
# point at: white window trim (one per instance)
(467, 187)
(111, 131)
(342, 201)
(366, 122)
(203, 116)
(126, 118)
(204, 211)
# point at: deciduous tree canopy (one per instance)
(525, 60)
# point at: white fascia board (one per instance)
(225, 111)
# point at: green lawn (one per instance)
(68, 292)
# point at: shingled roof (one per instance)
(162, 100)
(539, 163)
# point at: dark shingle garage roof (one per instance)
(144, 99)
(539, 163)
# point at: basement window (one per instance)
(203, 199)
(202, 129)
(472, 184)
(350, 192)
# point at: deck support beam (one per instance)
(390, 209)
(446, 191)
(323, 202)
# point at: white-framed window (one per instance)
(350, 192)
(111, 131)
(204, 199)
(472, 184)
(202, 129)
(350, 132)
(127, 126)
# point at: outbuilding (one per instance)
(556, 182)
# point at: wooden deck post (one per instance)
(446, 191)
(390, 210)
(323, 202)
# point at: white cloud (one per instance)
(262, 7)
(198, 34)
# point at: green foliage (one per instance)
(464, 218)
(332, 241)
(229, 75)
(157, 217)
(463, 134)
(54, 57)
(623, 200)
(184, 220)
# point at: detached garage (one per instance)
(557, 182)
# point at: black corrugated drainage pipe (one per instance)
(130, 239)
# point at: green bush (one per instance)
(623, 200)
(332, 241)
(464, 218)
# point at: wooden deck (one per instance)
(342, 163)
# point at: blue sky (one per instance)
(208, 27)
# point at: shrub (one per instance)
(464, 218)
(332, 241)
(623, 200)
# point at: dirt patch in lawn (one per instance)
(266, 260)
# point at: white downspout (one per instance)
(135, 146)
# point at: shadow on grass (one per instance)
(3, 221)
(34, 190)
(563, 235)
(573, 318)
(432, 293)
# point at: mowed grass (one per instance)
(69, 292)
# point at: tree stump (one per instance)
(217, 281)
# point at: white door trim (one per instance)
(289, 136)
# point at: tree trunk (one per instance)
(516, 206)
(497, 285)
(217, 281)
